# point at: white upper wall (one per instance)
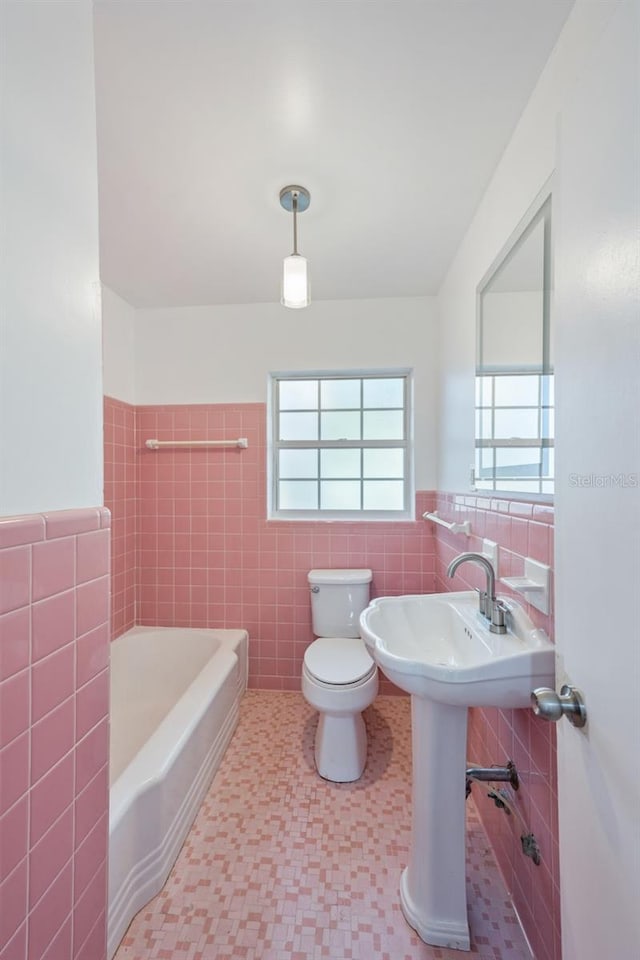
(527, 163)
(118, 327)
(50, 357)
(223, 354)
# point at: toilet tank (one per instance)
(338, 597)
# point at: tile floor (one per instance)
(281, 865)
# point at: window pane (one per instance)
(298, 463)
(548, 462)
(548, 423)
(516, 423)
(298, 426)
(548, 486)
(516, 391)
(483, 425)
(383, 462)
(340, 394)
(484, 484)
(547, 385)
(518, 461)
(298, 394)
(383, 495)
(383, 425)
(340, 426)
(484, 391)
(340, 494)
(484, 462)
(383, 392)
(298, 495)
(339, 463)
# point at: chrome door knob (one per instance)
(549, 705)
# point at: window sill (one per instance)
(374, 516)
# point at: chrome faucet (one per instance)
(492, 609)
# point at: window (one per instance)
(514, 433)
(340, 446)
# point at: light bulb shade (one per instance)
(295, 282)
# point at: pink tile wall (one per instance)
(120, 497)
(208, 557)
(54, 646)
(521, 530)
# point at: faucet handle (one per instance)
(499, 612)
(482, 601)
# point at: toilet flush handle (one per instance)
(315, 589)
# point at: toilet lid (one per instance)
(338, 659)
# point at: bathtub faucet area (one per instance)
(490, 607)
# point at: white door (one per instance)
(597, 322)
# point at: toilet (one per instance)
(339, 678)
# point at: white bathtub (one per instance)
(175, 696)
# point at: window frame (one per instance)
(274, 445)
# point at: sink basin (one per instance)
(439, 646)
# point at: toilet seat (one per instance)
(339, 661)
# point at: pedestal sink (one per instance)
(438, 648)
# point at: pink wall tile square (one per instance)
(90, 854)
(14, 707)
(14, 837)
(92, 605)
(60, 947)
(91, 804)
(53, 567)
(539, 542)
(13, 903)
(50, 913)
(90, 904)
(53, 623)
(15, 578)
(16, 948)
(92, 555)
(92, 654)
(14, 764)
(49, 856)
(52, 681)
(92, 703)
(92, 753)
(15, 640)
(50, 797)
(52, 738)
(519, 536)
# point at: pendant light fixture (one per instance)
(295, 273)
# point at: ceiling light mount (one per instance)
(295, 276)
(293, 193)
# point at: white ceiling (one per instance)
(393, 113)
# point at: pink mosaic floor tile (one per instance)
(282, 865)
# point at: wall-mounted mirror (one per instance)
(514, 366)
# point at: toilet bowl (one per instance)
(339, 677)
